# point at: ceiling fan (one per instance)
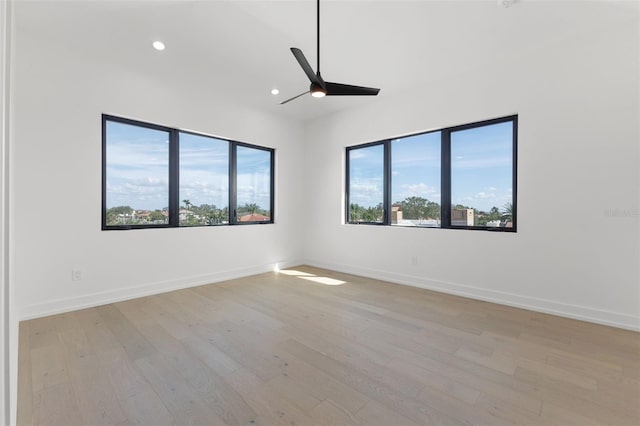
(319, 87)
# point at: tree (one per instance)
(156, 216)
(494, 213)
(507, 210)
(358, 213)
(507, 213)
(251, 208)
(119, 214)
(414, 208)
(187, 204)
(418, 208)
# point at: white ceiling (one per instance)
(239, 50)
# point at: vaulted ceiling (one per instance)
(237, 51)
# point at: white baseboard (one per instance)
(102, 298)
(582, 313)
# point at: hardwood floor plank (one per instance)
(552, 413)
(322, 386)
(330, 413)
(285, 349)
(183, 404)
(213, 357)
(265, 364)
(574, 398)
(294, 392)
(56, 406)
(436, 381)
(371, 387)
(376, 414)
(48, 367)
(24, 413)
(274, 409)
(124, 331)
(99, 336)
(42, 332)
(137, 398)
(209, 386)
(95, 397)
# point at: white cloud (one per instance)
(355, 154)
(482, 163)
(419, 189)
(364, 187)
(483, 195)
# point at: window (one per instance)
(415, 180)
(482, 176)
(154, 177)
(366, 184)
(462, 177)
(204, 180)
(136, 174)
(253, 174)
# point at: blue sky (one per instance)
(137, 167)
(480, 168)
(204, 170)
(137, 170)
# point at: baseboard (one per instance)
(582, 313)
(102, 298)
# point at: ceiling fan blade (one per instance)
(337, 89)
(294, 98)
(305, 66)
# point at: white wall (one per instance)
(578, 106)
(4, 210)
(578, 158)
(60, 88)
(60, 93)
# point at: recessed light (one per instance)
(158, 45)
(275, 91)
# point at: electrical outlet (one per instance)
(76, 275)
(414, 260)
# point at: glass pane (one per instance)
(481, 176)
(415, 180)
(366, 184)
(137, 168)
(254, 184)
(204, 180)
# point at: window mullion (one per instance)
(174, 178)
(233, 183)
(386, 218)
(445, 179)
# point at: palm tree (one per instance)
(187, 204)
(507, 214)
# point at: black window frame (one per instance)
(445, 179)
(173, 173)
(233, 175)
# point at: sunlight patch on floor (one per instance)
(311, 277)
(295, 273)
(324, 280)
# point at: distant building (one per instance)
(184, 214)
(141, 214)
(396, 215)
(462, 217)
(253, 217)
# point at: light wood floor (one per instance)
(288, 349)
